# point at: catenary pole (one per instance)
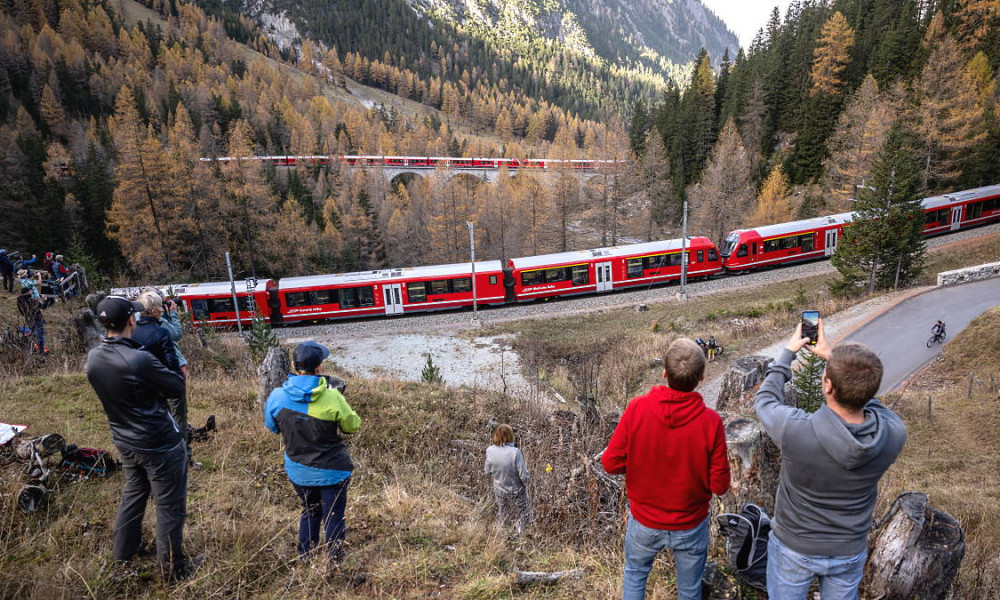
(232, 287)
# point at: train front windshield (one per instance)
(727, 246)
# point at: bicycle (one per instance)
(937, 338)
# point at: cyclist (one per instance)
(939, 329)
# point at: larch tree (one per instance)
(972, 22)
(724, 197)
(775, 203)
(950, 120)
(566, 200)
(653, 176)
(831, 56)
(135, 218)
(860, 133)
(248, 203)
(884, 246)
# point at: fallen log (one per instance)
(915, 551)
(544, 577)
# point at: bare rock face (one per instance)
(744, 373)
(273, 371)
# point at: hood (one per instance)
(146, 320)
(304, 388)
(674, 408)
(851, 445)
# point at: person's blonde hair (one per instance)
(151, 300)
(503, 434)
(855, 373)
(684, 364)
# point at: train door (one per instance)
(603, 276)
(831, 242)
(956, 217)
(393, 294)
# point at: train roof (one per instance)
(559, 258)
(934, 202)
(803, 225)
(214, 288)
(488, 266)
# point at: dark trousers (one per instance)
(322, 505)
(8, 282)
(164, 474)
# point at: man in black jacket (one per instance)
(133, 387)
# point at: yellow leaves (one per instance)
(831, 56)
(775, 204)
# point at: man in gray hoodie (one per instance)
(831, 463)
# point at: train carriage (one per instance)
(607, 269)
(783, 243)
(212, 303)
(960, 210)
(389, 291)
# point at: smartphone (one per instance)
(810, 326)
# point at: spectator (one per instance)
(6, 271)
(23, 263)
(31, 309)
(33, 281)
(47, 264)
(311, 414)
(505, 463)
(672, 450)
(151, 335)
(171, 323)
(132, 386)
(831, 463)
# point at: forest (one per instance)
(106, 108)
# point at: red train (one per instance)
(423, 162)
(787, 243)
(444, 287)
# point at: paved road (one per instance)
(899, 335)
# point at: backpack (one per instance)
(88, 462)
(746, 534)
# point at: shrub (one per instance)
(430, 373)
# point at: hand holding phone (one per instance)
(810, 326)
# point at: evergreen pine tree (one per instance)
(808, 382)
(884, 247)
(431, 373)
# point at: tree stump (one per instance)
(755, 464)
(744, 373)
(273, 371)
(88, 330)
(915, 551)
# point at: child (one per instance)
(506, 464)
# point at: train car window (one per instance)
(674, 260)
(806, 241)
(742, 251)
(787, 243)
(493, 279)
(532, 278)
(938, 216)
(416, 291)
(712, 254)
(655, 262)
(770, 245)
(754, 248)
(349, 298)
(294, 299)
(463, 284)
(366, 296)
(439, 286)
(581, 275)
(730, 243)
(324, 297)
(199, 309)
(701, 256)
(634, 267)
(975, 210)
(218, 305)
(553, 275)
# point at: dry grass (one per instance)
(953, 451)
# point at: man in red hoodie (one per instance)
(672, 450)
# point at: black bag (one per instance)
(88, 462)
(746, 534)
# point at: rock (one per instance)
(641, 308)
(88, 330)
(987, 271)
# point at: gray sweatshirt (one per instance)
(506, 465)
(829, 468)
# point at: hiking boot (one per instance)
(186, 570)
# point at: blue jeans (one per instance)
(642, 544)
(322, 505)
(789, 574)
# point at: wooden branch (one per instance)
(543, 577)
